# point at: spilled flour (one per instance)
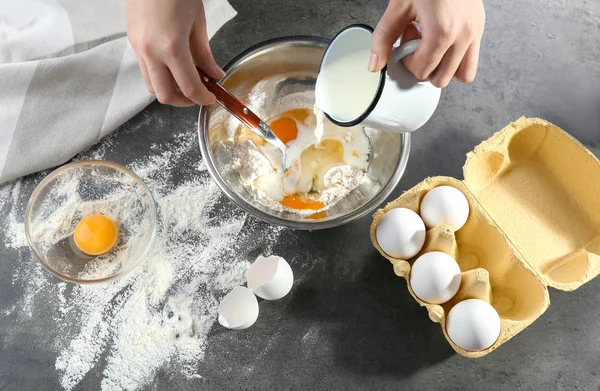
(159, 316)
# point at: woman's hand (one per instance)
(169, 39)
(451, 32)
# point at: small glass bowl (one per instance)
(80, 189)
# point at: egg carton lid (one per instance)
(540, 186)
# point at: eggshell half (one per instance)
(445, 205)
(473, 324)
(401, 233)
(239, 309)
(270, 278)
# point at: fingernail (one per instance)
(220, 71)
(373, 62)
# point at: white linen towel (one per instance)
(68, 77)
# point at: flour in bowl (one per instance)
(315, 149)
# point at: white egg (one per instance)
(473, 325)
(270, 278)
(239, 309)
(435, 277)
(445, 205)
(400, 233)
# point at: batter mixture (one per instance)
(323, 164)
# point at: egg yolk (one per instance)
(95, 234)
(318, 215)
(298, 203)
(285, 128)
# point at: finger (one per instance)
(468, 67)
(188, 80)
(411, 33)
(200, 49)
(435, 42)
(144, 71)
(447, 69)
(164, 86)
(394, 21)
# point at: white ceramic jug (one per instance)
(392, 99)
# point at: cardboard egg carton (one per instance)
(534, 222)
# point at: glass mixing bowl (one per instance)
(266, 77)
(80, 189)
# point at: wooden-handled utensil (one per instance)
(241, 112)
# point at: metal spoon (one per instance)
(241, 112)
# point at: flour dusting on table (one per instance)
(159, 316)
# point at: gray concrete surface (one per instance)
(350, 323)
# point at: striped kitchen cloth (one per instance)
(68, 77)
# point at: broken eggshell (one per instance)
(238, 309)
(270, 278)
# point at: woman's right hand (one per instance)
(169, 39)
(450, 38)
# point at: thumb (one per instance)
(201, 51)
(394, 21)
